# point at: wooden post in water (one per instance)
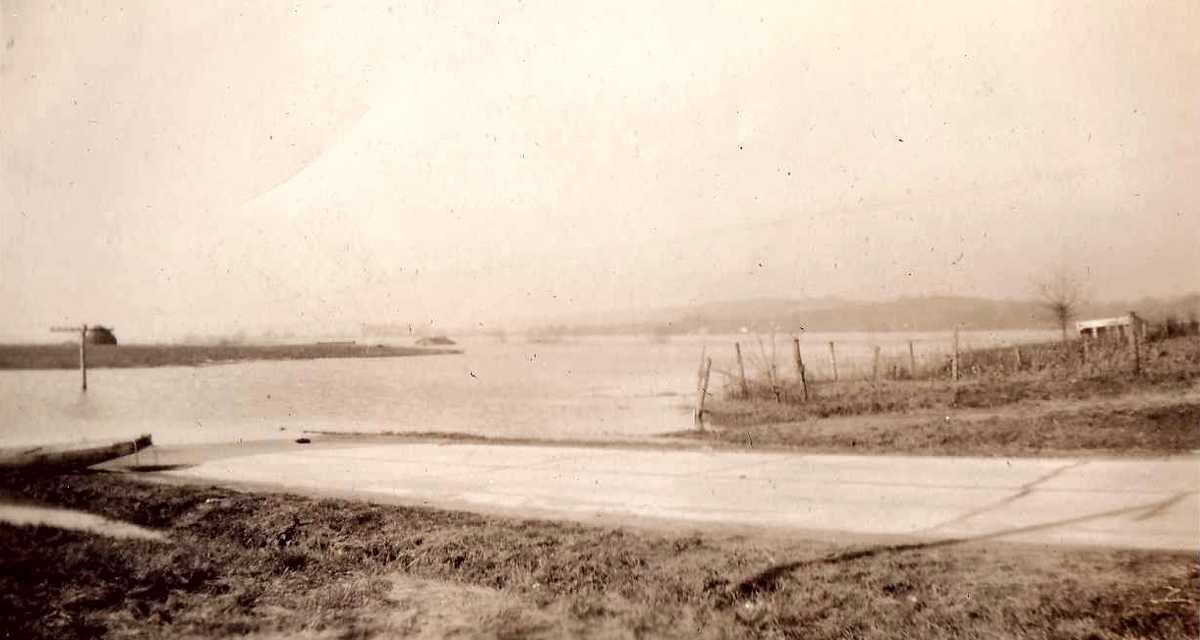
(702, 393)
(833, 360)
(82, 329)
(875, 365)
(954, 362)
(742, 386)
(912, 361)
(800, 368)
(83, 357)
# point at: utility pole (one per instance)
(82, 329)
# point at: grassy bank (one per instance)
(1050, 372)
(66, 356)
(1136, 428)
(252, 563)
(1042, 410)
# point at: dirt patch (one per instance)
(271, 565)
(433, 609)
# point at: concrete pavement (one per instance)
(1142, 503)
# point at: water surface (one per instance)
(605, 388)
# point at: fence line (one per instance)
(948, 359)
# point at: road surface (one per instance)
(1138, 503)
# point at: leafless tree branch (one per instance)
(1061, 293)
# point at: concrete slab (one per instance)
(1147, 503)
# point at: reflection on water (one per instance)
(81, 406)
(592, 388)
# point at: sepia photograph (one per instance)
(813, 319)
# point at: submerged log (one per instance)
(63, 458)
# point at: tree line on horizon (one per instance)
(923, 313)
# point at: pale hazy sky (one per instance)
(172, 167)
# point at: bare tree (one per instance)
(1061, 294)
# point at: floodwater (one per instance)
(591, 388)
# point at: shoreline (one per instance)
(39, 357)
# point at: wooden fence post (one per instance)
(800, 368)
(954, 362)
(875, 365)
(702, 393)
(833, 359)
(912, 361)
(1137, 354)
(745, 388)
(1017, 357)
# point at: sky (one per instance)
(308, 166)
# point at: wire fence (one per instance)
(777, 361)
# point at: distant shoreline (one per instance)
(66, 356)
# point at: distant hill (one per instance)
(902, 314)
(925, 313)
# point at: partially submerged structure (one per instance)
(101, 335)
(52, 458)
(1123, 327)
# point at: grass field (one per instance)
(1063, 409)
(1048, 371)
(66, 356)
(288, 566)
(1135, 427)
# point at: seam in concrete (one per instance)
(768, 580)
(1022, 492)
(1163, 506)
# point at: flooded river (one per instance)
(603, 388)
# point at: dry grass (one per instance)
(66, 356)
(287, 565)
(1172, 364)
(1083, 429)
(1041, 410)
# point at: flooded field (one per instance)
(601, 388)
